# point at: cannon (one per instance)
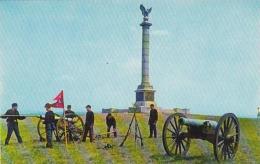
(178, 130)
(74, 128)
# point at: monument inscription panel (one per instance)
(149, 96)
(139, 96)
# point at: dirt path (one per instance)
(35, 139)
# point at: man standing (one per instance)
(111, 121)
(89, 123)
(49, 121)
(152, 121)
(12, 124)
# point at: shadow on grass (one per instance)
(167, 158)
(39, 147)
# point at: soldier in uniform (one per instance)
(152, 121)
(111, 122)
(49, 121)
(69, 113)
(89, 123)
(12, 124)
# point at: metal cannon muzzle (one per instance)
(198, 123)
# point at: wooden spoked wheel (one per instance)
(60, 128)
(74, 128)
(227, 136)
(175, 139)
(41, 129)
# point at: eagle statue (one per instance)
(145, 12)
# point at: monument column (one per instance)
(145, 92)
(145, 51)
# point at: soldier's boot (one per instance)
(115, 134)
(7, 140)
(48, 145)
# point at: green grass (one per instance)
(33, 151)
(132, 149)
(249, 129)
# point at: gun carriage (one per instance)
(73, 125)
(178, 131)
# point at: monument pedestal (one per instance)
(144, 98)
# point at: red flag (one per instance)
(59, 101)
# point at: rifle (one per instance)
(3, 116)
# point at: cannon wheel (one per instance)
(41, 130)
(175, 139)
(227, 136)
(77, 124)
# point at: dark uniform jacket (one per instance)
(70, 114)
(111, 121)
(49, 117)
(12, 119)
(153, 116)
(89, 119)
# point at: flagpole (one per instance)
(66, 142)
(66, 138)
(60, 104)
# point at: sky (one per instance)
(204, 54)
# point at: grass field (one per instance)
(33, 151)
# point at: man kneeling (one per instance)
(111, 121)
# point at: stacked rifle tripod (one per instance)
(137, 132)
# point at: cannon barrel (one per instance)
(198, 123)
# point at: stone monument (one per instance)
(145, 91)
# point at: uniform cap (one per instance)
(47, 105)
(14, 105)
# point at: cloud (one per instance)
(160, 33)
